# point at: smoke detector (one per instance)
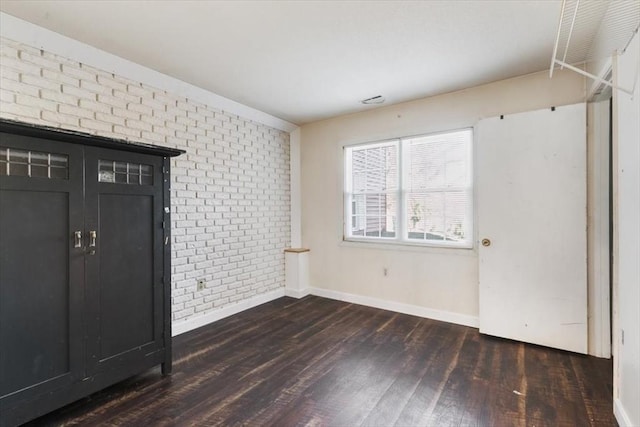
(378, 99)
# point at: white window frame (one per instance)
(401, 236)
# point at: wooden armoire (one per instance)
(84, 265)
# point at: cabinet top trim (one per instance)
(64, 135)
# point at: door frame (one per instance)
(598, 228)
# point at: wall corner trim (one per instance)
(180, 327)
(33, 35)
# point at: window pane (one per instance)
(434, 216)
(59, 160)
(439, 161)
(438, 215)
(3, 161)
(373, 204)
(120, 167)
(40, 171)
(438, 181)
(380, 215)
(35, 164)
(18, 169)
(457, 206)
(416, 216)
(121, 178)
(134, 178)
(59, 173)
(374, 168)
(372, 177)
(39, 159)
(359, 181)
(18, 156)
(125, 173)
(373, 215)
(357, 228)
(426, 164)
(357, 204)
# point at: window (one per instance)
(125, 173)
(415, 190)
(35, 164)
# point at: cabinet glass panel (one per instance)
(124, 172)
(37, 164)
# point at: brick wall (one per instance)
(230, 191)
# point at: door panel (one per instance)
(124, 269)
(532, 208)
(37, 271)
(41, 272)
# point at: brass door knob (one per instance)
(486, 242)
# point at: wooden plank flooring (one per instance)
(319, 362)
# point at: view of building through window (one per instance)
(416, 189)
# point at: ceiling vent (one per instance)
(378, 99)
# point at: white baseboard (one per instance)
(414, 310)
(621, 415)
(192, 323)
(294, 293)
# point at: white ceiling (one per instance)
(303, 61)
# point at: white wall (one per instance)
(439, 283)
(626, 135)
(230, 191)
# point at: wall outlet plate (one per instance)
(201, 285)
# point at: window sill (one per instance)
(409, 247)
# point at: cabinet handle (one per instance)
(78, 239)
(92, 238)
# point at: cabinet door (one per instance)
(41, 266)
(124, 261)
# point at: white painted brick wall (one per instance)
(230, 191)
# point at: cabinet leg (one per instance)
(165, 368)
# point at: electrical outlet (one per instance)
(201, 285)
(385, 271)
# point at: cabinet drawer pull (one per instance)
(92, 238)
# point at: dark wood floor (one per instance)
(317, 362)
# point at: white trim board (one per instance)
(33, 35)
(398, 307)
(621, 415)
(444, 316)
(190, 324)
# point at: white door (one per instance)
(531, 186)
